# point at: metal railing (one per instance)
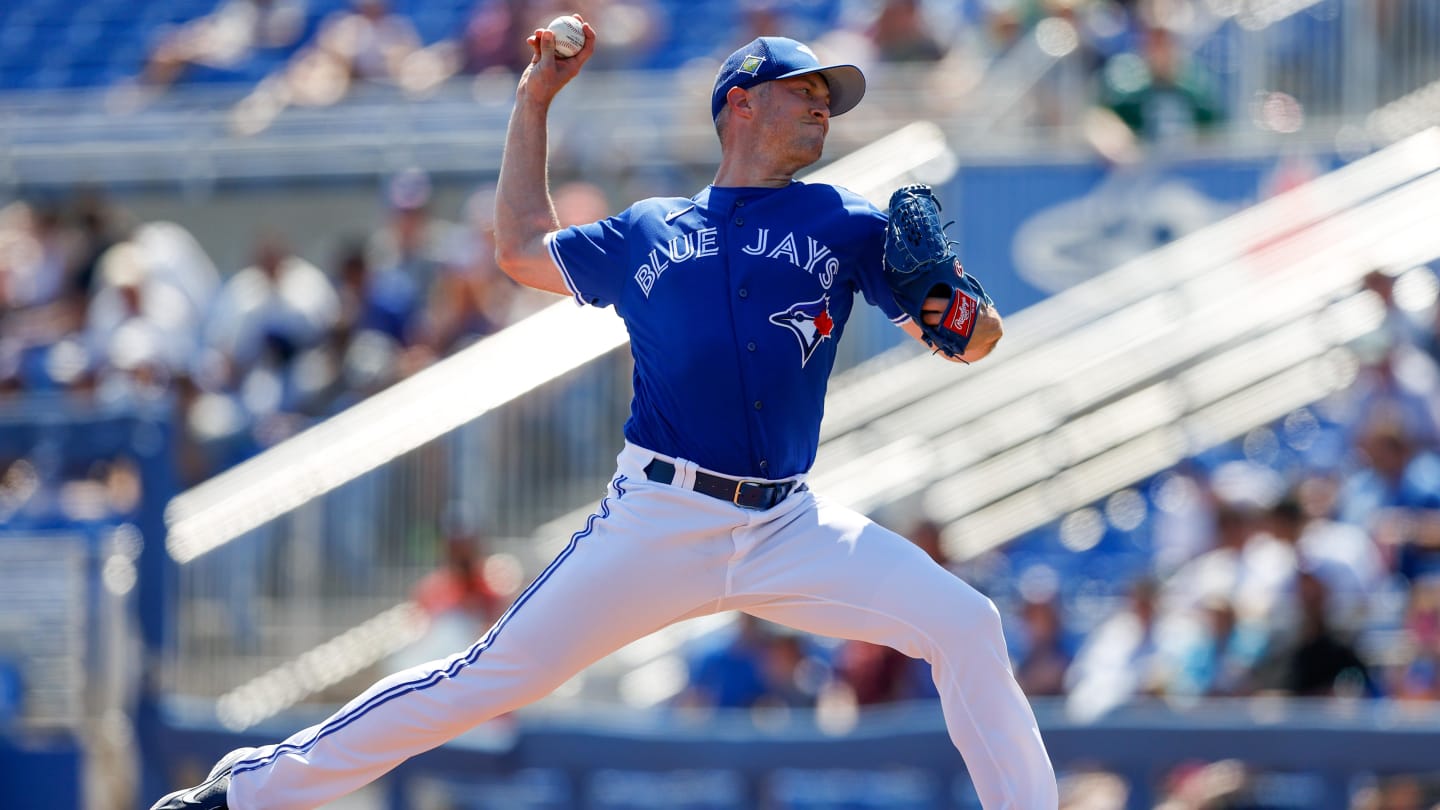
(68, 641)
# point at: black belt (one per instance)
(741, 492)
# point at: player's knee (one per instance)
(968, 616)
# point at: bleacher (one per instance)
(53, 45)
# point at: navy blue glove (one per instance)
(920, 264)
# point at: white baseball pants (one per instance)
(654, 554)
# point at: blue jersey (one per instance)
(735, 300)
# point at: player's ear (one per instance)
(740, 100)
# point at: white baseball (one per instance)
(569, 35)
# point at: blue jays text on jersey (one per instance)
(734, 300)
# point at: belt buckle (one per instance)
(780, 489)
(739, 488)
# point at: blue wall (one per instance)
(1028, 231)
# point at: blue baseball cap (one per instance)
(769, 58)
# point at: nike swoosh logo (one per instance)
(670, 217)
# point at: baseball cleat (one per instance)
(210, 794)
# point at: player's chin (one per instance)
(810, 150)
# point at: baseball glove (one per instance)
(919, 264)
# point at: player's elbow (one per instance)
(530, 265)
(508, 260)
(517, 262)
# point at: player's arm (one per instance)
(524, 211)
(988, 330)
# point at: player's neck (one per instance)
(751, 179)
(741, 169)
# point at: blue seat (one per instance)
(45, 78)
(436, 24)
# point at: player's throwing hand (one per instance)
(547, 69)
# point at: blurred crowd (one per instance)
(105, 310)
(1129, 59)
(1136, 76)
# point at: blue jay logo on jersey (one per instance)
(809, 322)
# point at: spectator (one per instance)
(224, 39)
(1043, 652)
(369, 43)
(1417, 676)
(874, 674)
(374, 309)
(366, 43)
(411, 243)
(1219, 654)
(1185, 522)
(1341, 554)
(1320, 662)
(1397, 375)
(99, 225)
(760, 18)
(901, 33)
(459, 599)
(489, 41)
(1395, 494)
(1121, 659)
(733, 673)
(1221, 569)
(279, 305)
(33, 260)
(494, 36)
(142, 326)
(459, 586)
(1162, 100)
(1402, 792)
(794, 672)
(1226, 783)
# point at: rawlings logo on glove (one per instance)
(919, 264)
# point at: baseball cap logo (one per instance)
(769, 58)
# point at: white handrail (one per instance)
(399, 419)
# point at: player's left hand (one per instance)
(989, 327)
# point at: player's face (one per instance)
(796, 118)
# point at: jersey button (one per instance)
(758, 404)
(739, 220)
(764, 464)
(744, 293)
(750, 345)
(739, 203)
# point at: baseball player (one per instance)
(735, 299)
